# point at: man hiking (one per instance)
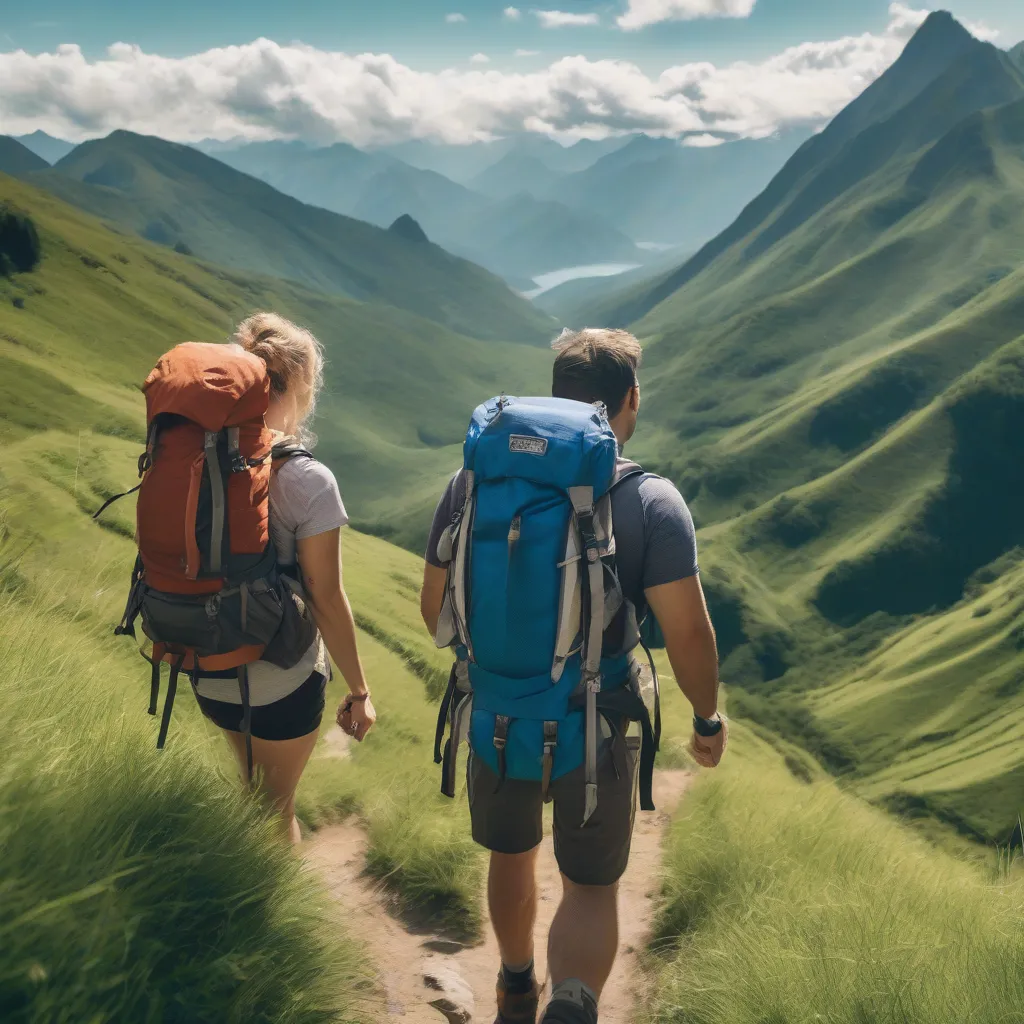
(532, 466)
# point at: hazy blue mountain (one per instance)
(516, 172)
(334, 177)
(660, 190)
(17, 159)
(46, 146)
(516, 235)
(1017, 55)
(464, 163)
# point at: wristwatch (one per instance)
(707, 726)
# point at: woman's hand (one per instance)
(356, 716)
(707, 751)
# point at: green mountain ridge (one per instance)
(79, 333)
(176, 195)
(836, 382)
(17, 159)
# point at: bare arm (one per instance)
(432, 595)
(320, 560)
(683, 616)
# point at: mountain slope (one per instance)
(515, 172)
(178, 196)
(17, 159)
(943, 74)
(46, 146)
(837, 390)
(659, 190)
(515, 235)
(91, 320)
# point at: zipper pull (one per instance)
(514, 530)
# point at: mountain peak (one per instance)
(407, 228)
(939, 31)
(16, 159)
(1016, 55)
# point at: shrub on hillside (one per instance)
(20, 248)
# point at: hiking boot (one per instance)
(571, 1003)
(517, 1007)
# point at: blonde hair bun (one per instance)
(294, 359)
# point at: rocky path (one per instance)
(425, 978)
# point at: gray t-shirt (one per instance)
(654, 536)
(304, 502)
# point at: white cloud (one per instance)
(703, 141)
(264, 90)
(455, 18)
(512, 13)
(480, 58)
(527, 53)
(562, 19)
(641, 13)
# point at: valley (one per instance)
(833, 376)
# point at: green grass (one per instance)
(137, 886)
(103, 306)
(792, 902)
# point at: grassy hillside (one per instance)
(18, 160)
(835, 382)
(181, 198)
(786, 900)
(89, 322)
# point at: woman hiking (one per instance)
(306, 516)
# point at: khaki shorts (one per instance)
(509, 818)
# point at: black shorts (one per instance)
(509, 819)
(298, 714)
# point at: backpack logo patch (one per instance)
(528, 445)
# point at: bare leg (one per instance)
(584, 937)
(512, 897)
(279, 765)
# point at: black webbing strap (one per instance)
(501, 724)
(154, 685)
(548, 763)
(243, 689)
(172, 689)
(657, 697)
(442, 716)
(117, 497)
(627, 704)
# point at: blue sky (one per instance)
(378, 71)
(416, 31)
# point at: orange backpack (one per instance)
(206, 580)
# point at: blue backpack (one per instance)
(533, 608)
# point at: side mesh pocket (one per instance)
(297, 629)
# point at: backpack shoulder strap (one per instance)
(624, 470)
(285, 450)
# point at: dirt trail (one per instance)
(401, 957)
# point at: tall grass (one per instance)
(136, 886)
(792, 903)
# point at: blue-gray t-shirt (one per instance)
(654, 536)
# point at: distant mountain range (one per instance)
(179, 197)
(46, 146)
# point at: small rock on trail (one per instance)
(429, 979)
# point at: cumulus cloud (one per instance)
(641, 13)
(703, 141)
(265, 90)
(480, 58)
(563, 19)
(454, 18)
(512, 13)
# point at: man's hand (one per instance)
(356, 717)
(707, 751)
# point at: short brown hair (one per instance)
(596, 365)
